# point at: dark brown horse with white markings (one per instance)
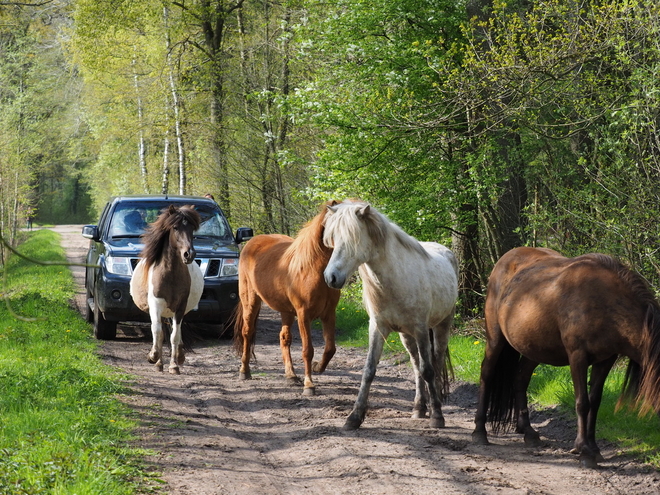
(287, 274)
(166, 283)
(586, 311)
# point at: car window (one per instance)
(213, 224)
(129, 220)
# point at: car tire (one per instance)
(89, 313)
(103, 329)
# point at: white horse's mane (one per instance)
(344, 225)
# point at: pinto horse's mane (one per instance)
(157, 235)
(307, 250)
(346, 226)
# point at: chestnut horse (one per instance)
(586, 311)
(166, 283)
(287, 274)
(410, 287)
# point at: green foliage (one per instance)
(62, 430)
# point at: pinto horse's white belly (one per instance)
(196, 288)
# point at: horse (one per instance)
(585, 311)
(166, 283)
(287, 274)
(409, 287)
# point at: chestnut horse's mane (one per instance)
(158, 233)
(307, 251)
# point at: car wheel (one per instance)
(103, 329)
(89, 313)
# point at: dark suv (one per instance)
(115, 247)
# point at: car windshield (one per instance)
(132, 220)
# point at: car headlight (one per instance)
(229, 267)
(118, 265)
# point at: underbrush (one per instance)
(62, 429)
(550, 386)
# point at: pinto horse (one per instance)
(287, 274)
(410, 287)
(586, 311)
(166, 283)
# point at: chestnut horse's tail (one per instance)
(237, 320)
(500, 402)
(642, 381)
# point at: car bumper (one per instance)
(218, 300)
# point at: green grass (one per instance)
(550, 386)
(62, 429)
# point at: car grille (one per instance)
(210, 267)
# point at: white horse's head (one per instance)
(352, 230)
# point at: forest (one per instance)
(480, 124)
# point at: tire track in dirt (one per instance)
(214, 434)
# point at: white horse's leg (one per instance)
(155, 311)
(421, 393)
(428, 372)
(376, 340)
(177, 355)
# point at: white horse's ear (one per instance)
(363, 211)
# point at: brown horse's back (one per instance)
(548, 306)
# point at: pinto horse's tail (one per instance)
(500, 401)
(237, 319)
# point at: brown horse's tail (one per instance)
(237, 320)
(500, 402)
(642, 382)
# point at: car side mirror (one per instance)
(243, 234)
(91, 232)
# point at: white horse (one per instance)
(409, 287)
(167, 283)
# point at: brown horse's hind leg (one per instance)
(328, 323)
(599, 372)
(525, 370)
(285, 346)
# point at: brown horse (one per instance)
(287, 274)
(586, 311)
(166, 283)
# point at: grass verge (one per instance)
(550, 386)
(62, 429)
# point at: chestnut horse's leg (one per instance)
(329, 349)
(524, 375)
(285, 346)
(305, 327)
(421, 393)
(377, 337)
(599, 372)
(495, 343)
(251, 307)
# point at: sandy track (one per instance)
(214, 434)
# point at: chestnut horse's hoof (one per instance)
(245, 375)
(293, 381)
(316, 367)
(480, 438)
(309, 391)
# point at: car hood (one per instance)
(206, 248)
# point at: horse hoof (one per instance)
(532, 440)
(437, 422)
(418, 414)
(245, 376)
(309, 391)
(181, 359)
(316, 367)
(480, 438)
(152, 358)
(587, 461)
(159, 367)
(352, 423)
(293, 381)
(174, 370)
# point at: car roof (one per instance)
(160, 198)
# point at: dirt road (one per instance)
(214, 434)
